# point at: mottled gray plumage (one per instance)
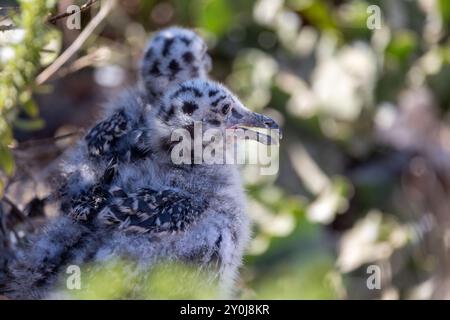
(215, 229)
(220, 231)
(172, 56)
(179, 54)
(37, 268)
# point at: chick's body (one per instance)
(172, 56)
(216, 239)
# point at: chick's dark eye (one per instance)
(226, 108)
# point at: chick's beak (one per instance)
(257, 127)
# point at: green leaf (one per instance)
(444, 9)
(317, 12)
(6, 160)
(29, 124)
(215, 16)
(2, 188)
(306, 277)
(30, 107)
(52, 47)
(402, 45)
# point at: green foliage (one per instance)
(444, 8)
(215, 16)
(318, 13)
(339, 200)
(308, 278)
(124, 280)
(17, 77)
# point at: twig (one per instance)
(19, 214)
(17, 9)
(76, 45)
(4, 18)
(81, 63)
(7, 27)
(15, 209)
(47, 50)
(35, 142)
(85, 6)
(10, 8)
(52, 19)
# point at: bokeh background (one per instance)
(364, 173)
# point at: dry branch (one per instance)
(77, 44)
(57, 17)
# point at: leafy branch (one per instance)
(18, 73)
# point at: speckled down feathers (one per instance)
(194, 213)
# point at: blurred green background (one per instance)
(364, 174)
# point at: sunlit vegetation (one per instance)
(364, 163)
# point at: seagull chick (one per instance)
(157, 210)
(206, 222)
(172, 56)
